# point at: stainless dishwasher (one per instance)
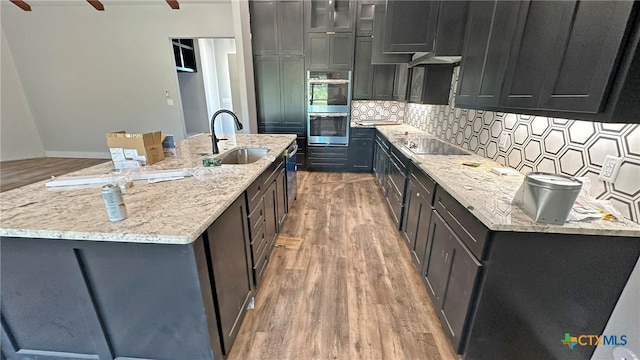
(292, 182)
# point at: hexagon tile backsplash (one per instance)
(536, 143)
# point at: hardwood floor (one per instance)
(19, 173)
(350, 291)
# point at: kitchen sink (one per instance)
(244, 156)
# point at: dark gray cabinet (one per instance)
(280, 90)
(565, 54)
(281, 197)
(418, 206)
(361, 148)
(371, 82)
(364, 17)
(400, 81)
(327, 158)
(329, 51)
(381, 162)
(228, 240)
(486, 51)
(378, 56)
(431, 84)
(410, 26)
(330, 15)
(277, 27)
(451, 275)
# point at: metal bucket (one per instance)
(548, 198)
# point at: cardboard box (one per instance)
(144, 148)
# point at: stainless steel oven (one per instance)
(328, 128)
(329, 91)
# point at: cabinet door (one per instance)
(460, 289)
(267, 77)
(361, 154)
(264, 27)
(412, 214)
(281, 197)
(451, 26)
(363, 70)
(417, 82)
(317, 55)
(539, 25)
(440, 258)
(400, 82)
(422, 249)
(228, 239)
(330, 15)
(583, 62)
(364, 17)
(293, 90)
(290, 27)
(410, 26)
(383, 79)
(341, 51)
(270, 214)
(377, 51)
(486, 51)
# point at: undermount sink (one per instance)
(244, 156)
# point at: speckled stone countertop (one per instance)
(487, 195)
(170, 212)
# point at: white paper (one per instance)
(131, 153)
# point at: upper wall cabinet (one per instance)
(486, 51)
(330, 15)
(431, 84)
(571, 59)
(564, 55)
(276, 27)
(436, 27)
(371, 82)
(410, 26)
(364, 18)
(378, 56)
(328, 51)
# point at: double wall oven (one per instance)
(329, 109)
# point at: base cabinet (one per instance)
(418, 210)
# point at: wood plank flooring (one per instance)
(17, 173)
(351, 290)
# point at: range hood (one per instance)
(430, 58)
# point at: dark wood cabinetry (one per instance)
(277, 27)
(280, 91)
(431, 84)
(571, 59)
(329, 51)
(486, 51)
(330, 15)
(410, 26)
(564, 55)
(371, 82)
(361, 145)
(418, 206)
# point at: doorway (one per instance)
(207, 75)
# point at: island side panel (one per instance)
(536, 287)
(137, 300)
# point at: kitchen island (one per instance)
(172, 281)
(503, 285)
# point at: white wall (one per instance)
(19, 138)
(86, 72)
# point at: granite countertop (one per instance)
(487, 195)
(371, 124)
(170, 212)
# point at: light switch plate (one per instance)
(610, 168)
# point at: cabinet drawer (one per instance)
(383, 142)
(424, 183)
(328, 152)
(394, 198)
(364, 133)
(256, 218)
(258, 244)
(254, 194)
(470, 230)
(269, 175)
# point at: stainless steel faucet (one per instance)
(214, 139)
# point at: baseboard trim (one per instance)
(78, 154)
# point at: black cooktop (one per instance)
(432, 146)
